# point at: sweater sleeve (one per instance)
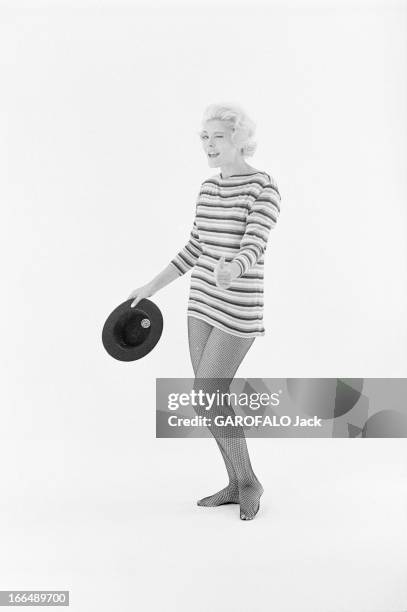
(262, 217)
(187, 257)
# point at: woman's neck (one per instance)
(228, 171)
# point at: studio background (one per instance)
(101, 166)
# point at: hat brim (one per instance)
(114, 342)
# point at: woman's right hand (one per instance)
(145, 291)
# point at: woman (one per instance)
(235, 211)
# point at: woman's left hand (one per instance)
(225, 273)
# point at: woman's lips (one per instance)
(212, 155)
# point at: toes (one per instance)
(248, 516)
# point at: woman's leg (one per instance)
(198, 334)
(221, 357)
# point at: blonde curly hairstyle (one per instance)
(242, 126)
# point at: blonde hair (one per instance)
(242, 126)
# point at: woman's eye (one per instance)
(205, 137)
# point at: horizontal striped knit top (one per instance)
(233, 217)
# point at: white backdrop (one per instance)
(101, 165)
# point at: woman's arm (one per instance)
(189, 254)
(185, 259)
(165, 277)
(261, 219)
(162, 279)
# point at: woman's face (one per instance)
(216, 138)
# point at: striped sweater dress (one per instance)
(233, 217)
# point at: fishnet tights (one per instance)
(216, 356)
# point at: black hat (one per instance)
(130, 333)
